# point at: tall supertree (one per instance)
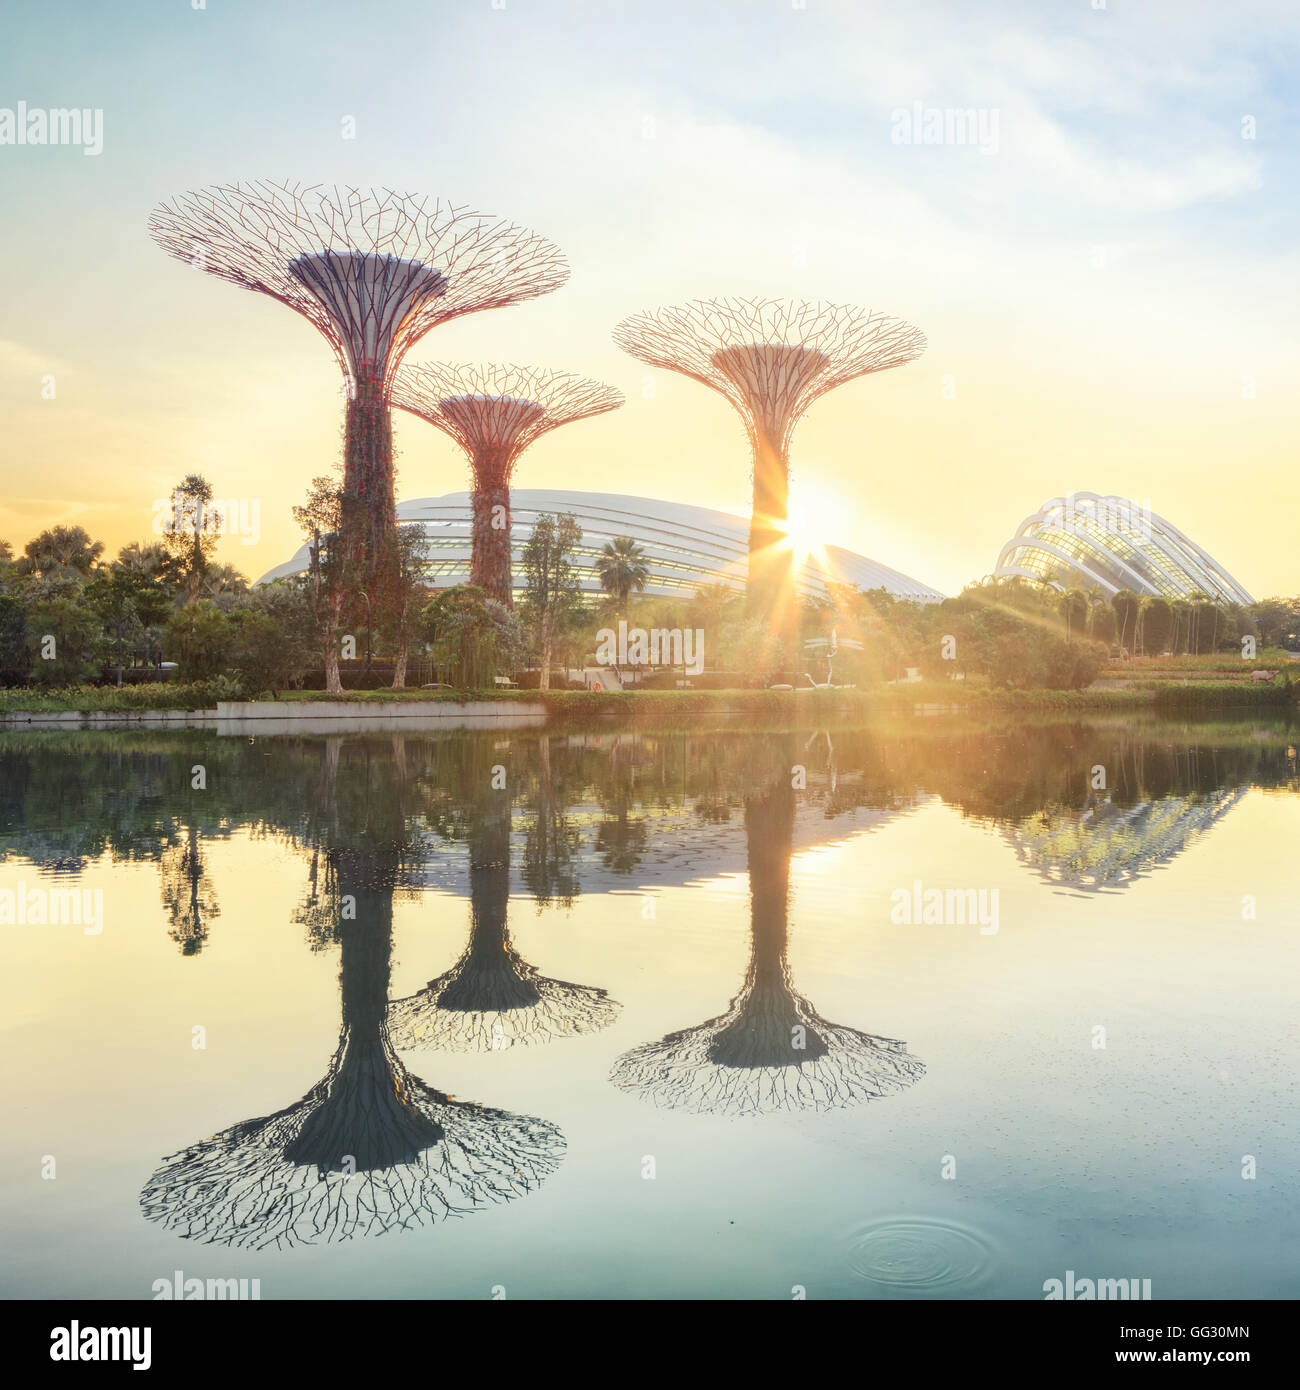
(771, 1050)
(771, 358)
(494, 412)
(373, 270)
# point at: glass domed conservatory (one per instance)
(1115, 543)
(685, 547)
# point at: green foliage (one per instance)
(622, 569)
(95, 699)
(472, 636)
(63, 642)
(14, 658)
(200, 640)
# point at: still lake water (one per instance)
(614, 1015)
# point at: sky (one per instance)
(1106, 276)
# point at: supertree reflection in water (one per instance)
(370, 1148)
(771, 1050)
(492, 998)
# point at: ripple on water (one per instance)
(920, 1254)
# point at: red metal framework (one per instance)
(494, 412)
(771, 358)
(373, 270)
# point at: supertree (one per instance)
(771, 1050)
(771, 358)
(494, 412)
(373, 270)
(491, 998)
(371, 1148)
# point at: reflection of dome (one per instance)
(1116, 544)
(685, 547)
(1108, 846)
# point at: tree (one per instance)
(622, 569)
(1101, 621)
(320, 518)
(127, 601)
(1125, 604)
(64, 553)
(1157, 624)
(1074, 610)
(191, 530)
(471, 634)
(62, 642)
(200, 637)
(408, 593)
(151, 560)
(15, 660)
(551, 589)
(220, 580)
(262, 654)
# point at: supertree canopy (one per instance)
(771, 1050)
(494, 413)
(771, 358)
(373, 270)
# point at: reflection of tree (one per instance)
(371, 1148)
(550, 839)
(188, 893)
(491, 998)
(770, 1050)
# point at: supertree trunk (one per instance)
(769, 550)
(770, 588)
(363, 1115)
(370, 522)
(490, 563)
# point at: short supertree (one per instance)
(771, 358)
(771, 1050)
(492, 999)
(373, 270)
(369, 1149)
(494, 412)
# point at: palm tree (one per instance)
(222, 579)
(150, 560)
(622, 569)
(62, 552)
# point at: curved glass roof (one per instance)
(685, 547)
(1115, 543)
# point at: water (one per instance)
(440, 1015)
